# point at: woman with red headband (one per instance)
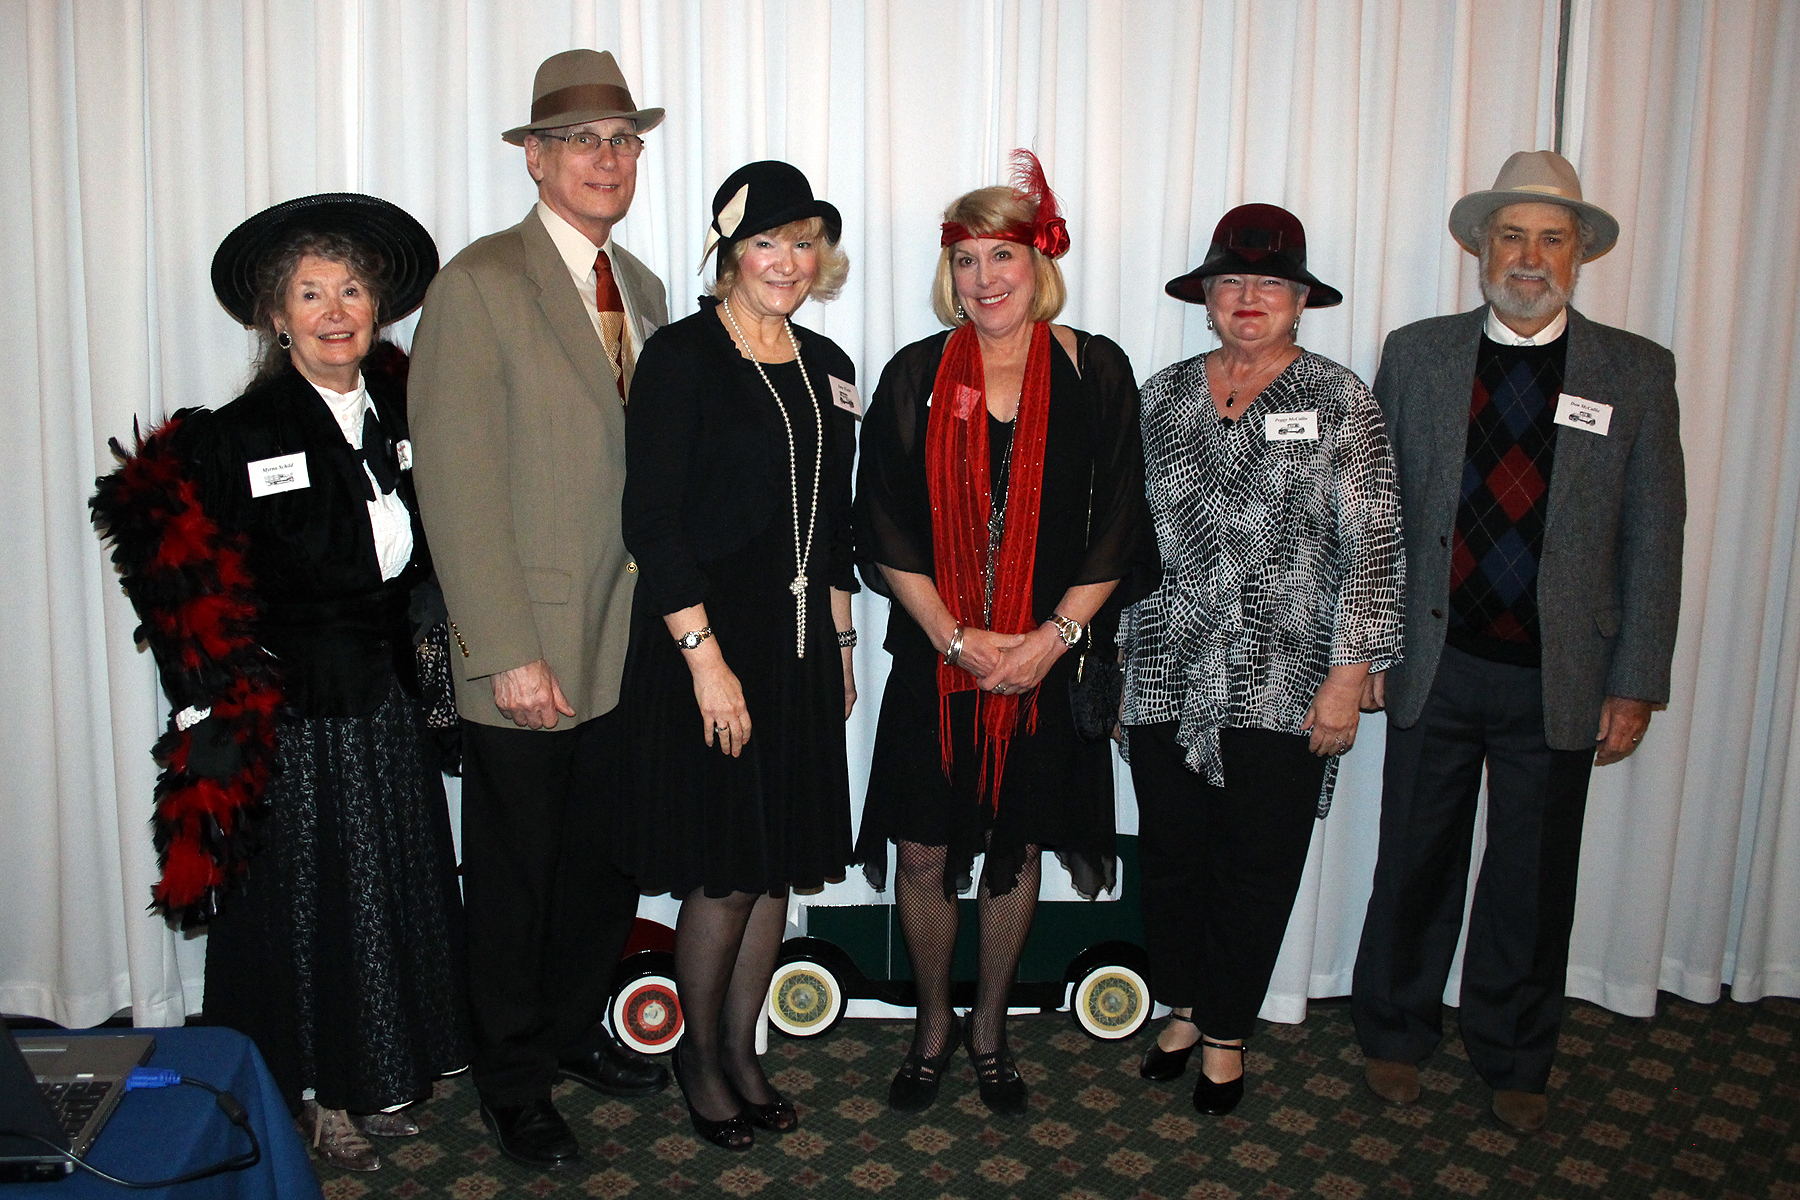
(1001, 504)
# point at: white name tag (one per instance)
(1589, 416)
(403, 452)
(284, 474)
(844, 396)
(1292, 426)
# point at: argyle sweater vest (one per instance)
(1499, 533)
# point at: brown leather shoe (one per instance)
(1521, 1111)
(1395, 1082)
(394, 1124)
(336, 1139)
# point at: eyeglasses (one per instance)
(587, 145)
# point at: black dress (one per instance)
(709, 517)
(1092, 527)
(341, 955)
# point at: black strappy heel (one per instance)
(1159, 1065)
(997, 1077)
(1217, 1099)
(915, 1086)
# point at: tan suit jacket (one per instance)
(519, 453)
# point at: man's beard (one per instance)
(1509, 300)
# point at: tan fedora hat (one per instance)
(1532, 177)
(577, 86)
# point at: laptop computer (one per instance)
(61, 1088)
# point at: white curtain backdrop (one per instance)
(141, 132)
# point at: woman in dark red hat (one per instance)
(738, 445)
(274, 551)
(1268, 472)
(1000, 505)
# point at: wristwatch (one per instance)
(692, 639)
(1069, 631)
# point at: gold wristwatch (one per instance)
(1069, 631)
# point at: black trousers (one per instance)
(548, 914)
(1517, 959)
(1221, 866)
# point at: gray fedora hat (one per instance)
(1532, 177)
(578, 86)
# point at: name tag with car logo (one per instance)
(1292, 426)
(1589, 416)
(284, 474)
(844, 396)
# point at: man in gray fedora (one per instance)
(521, 368)
(1543, 500)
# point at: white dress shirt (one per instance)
(578, 255)
(1499, 331)
(388, 518)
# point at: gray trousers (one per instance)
(1516, 963)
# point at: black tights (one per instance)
(929, 919)
(725, 951)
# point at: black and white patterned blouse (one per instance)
(1280, 538)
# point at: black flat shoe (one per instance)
(997, 1077)
(1216, 1099)
(533, 1133)
(733, 1133)
(915, 1086)
(1159, 1065)
(613, 1070)
(777, 1116)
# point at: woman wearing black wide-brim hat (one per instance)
(738, 445)
(1268, 472)
(274, 550)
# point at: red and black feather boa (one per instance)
(189, 582)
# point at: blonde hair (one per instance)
(834, 264)
(985, 212)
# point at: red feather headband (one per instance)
(1047, 233)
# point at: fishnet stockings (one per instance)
(725, 951)
(929, 920)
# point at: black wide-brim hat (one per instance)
(1256, 239)
(766, 195)
(405, 247)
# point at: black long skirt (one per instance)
(341, 958)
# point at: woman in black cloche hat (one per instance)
(1268, 473)
(273, 549)
(738, 445)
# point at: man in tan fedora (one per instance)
(521, 368)
(1543, 501)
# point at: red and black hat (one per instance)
(1256, 239)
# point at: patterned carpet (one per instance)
(1700, 1101)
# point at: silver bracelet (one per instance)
(846, 638)
(953, 652)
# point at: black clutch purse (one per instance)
(1094, 695)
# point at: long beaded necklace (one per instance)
(802, 554)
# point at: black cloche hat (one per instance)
(404, 245)
(762, 196)
(1256, 239)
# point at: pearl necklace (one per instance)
(802, 554)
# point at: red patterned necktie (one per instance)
(611, 306)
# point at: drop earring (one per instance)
(960, 314)
(1209, 323)
(283, 340)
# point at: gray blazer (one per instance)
(1609, 581)
(519, 451)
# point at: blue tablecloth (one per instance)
(163, 1132)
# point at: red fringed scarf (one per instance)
(956, 474)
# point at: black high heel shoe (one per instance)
(777, 1116)
(733, 1133)
(1217, 1099)
(915, 1086)
(1161, 1065)
(997, 1076)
